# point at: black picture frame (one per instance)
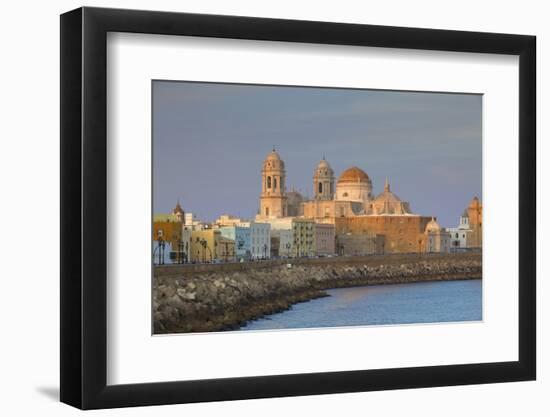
(84, 207)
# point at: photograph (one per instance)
(295, 207)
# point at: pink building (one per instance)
(324, 239)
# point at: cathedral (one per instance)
(350, 205)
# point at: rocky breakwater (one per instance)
(200, 298)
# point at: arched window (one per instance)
(274, 183)
(267, 211)
(268, 182)
(320, 187)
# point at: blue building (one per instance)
(241, 236)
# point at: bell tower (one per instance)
(323, 181)
(273, 199)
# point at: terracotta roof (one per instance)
(353, 174)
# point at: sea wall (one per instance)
(199, 298)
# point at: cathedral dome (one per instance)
(433, 226)
(387, 195)
(354, 175)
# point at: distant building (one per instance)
(294, 204)
(260, 239)
(475, 211)
(273, 199)
(460, 235)
(303, 237)
(227, 220)
(204, 245)
(226, 249)
(437, 239)
(179, 213)
(167, 236)
(241, 236)
(359, 244)
(324, 239)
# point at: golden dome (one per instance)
(354, 175)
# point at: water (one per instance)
(423, 302)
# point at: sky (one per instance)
(210, 140)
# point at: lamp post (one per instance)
(240, 244)
(161, 245)
(204, 245)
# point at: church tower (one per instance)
(323, 181)
(475, 210)
(273, 199)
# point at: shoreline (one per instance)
(216, 298)
(323, 293)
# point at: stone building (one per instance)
(402, 233)
(475, 211)
(359, 244)
(324, 239)
(323, 181)
(294, 203)
(350, 205)
(388, 203)
(354, 185)
(273, 199)
(437, 239)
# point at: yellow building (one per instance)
(204, 245)
(303, 237)
(168, 231)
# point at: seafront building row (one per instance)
(343, 218)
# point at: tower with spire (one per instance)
(273, 198)
(323, 181)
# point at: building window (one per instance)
(267, 211)
(268, 182)
(274, 183)
(320, 187)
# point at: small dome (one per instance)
(387, 195)
(273, 155)
(273, 160)
(294, 197)
(433, 226)
(353, 174)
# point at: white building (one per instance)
(460, 235)
(260, 239)
(281, 229)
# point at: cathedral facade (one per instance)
(350, 205)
